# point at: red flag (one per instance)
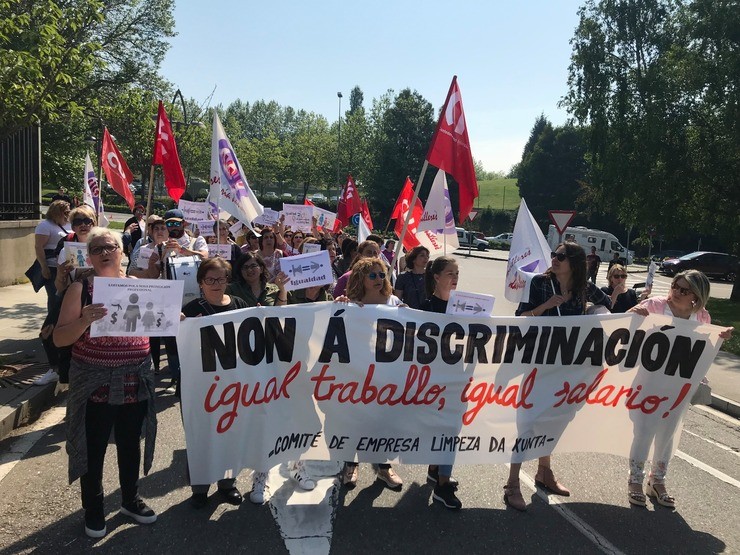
(399, 213)
(307, 202)
(366, 215)
(450, 149)
(165, 155)
(116, 170)
(349, 204)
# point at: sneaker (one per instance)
(95, 526)
(258, 495)
(50, 377)
(433, 476)
(389, 476)
(301, 477)
(445, 494)
(172, 389)
(350, 475)
(139, 511)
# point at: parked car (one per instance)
(467, 238)
(286, 197)
(271, 195)
(501, 238)
(713, 264)
(317, 197)
(665, 255)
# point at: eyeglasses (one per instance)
(107, 249)
(375, 275)
(268, 237)
(288, 235)
(82, 221)
(173, 223)
(248, 267)
(683, 290)
(559, 255)
(212, 281)
(620, 276)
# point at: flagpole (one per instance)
(411, 208)
(150, 193)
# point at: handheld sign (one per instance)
(193, 211)
(311, 247)
(298, 216)
(470, 304)
(237, 230)
(307, 270)
(268, 217)
(205, 227)
(76, 254)
(221, 251)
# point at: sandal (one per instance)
(513, 496)
(662, 498)
(636, 497)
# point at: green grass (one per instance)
(726, 313)
(499, 194)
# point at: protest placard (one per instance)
(307, 270)
(76, 254)
(463, 303)
(324, 218)
(193, 211)
(204, 228)
(268, 217)
(311, 247)
(298, 217)
(222, 251)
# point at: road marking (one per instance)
(597, 539)
(706, 468)
(23, 443)
(715, 443)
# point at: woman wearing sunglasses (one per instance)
(111, 388)
(369, 284)
(686, 300)
(213, 276)
(621, 297)
(563, 290)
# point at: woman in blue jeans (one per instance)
(441, 278)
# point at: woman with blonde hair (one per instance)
(622, 298)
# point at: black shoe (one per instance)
(199, 500)
(433, 476)
(231, 496)
(139, 511)
(445, 494)
(95, 525)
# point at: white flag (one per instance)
(362, 230)
(529, 255)
(230, 190)
(438, 218)
(91, 192)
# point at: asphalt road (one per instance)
(41, 513)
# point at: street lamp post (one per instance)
(339, 143)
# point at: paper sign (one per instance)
(298, 216)
(237, 230)
(307, 270)
(311, 247)
(193, 211)
(222, 251)
(324, 218)
(204, 227)
(462, 303)
(76, 254)
(268, 217)
(145, 253)
(137, 307)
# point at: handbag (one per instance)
(35, 276)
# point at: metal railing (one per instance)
(20, 175)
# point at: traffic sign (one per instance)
(472, 215)
(561, 219)
(356, 219)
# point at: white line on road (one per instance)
(715, 443)
(706, 468)
(23, 444)
(597, 539)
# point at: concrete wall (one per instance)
(16, 250)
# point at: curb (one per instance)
(26, 407)
(725, 405)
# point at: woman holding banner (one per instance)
(621, 297)
(687, 300)
(441, 278)
(111, 388)
(369, 284)
(563, 290)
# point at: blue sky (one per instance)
(511, 58)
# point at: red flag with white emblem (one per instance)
(165, 155)
(349, 204)
(116, 170)
(366, 215)
(409, 241)
(450, 149)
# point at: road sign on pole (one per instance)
(472, 214)
(561, 219)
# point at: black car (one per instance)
(713, 264)
(664, 255)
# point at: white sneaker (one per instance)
(301, 477)
(50, 377)
(259, 494)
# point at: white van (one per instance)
(606, 244)
(468, 239)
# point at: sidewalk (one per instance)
(22, 312)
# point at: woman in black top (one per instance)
(621, 297)
(213, 276)
(410, 286)
(441, 278)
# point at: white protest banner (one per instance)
(324, 218)
(204, 227)
(76, 254)
(137, 307)
(529, 255)
(466, 304)
(307, 270)
(311, 247)
(268, 217)
(193, 211)
(145, 253)
(222, 251)
(322, 381)
(298, 217)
